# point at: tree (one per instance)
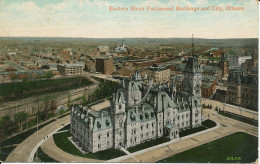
(84, 99)
(49, 74)
(20, 117)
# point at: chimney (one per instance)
(143, 108)
(90, 122)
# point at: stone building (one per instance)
(242, 89)
(105, 65)
(160, 75)
(70, 69)
(139, 112)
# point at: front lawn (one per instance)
(236, 148)
(205, 125)
(61, 140)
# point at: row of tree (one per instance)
(23, 120)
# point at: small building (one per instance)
(70, 69)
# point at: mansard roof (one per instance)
(101, 120)
(140, 113)
(159, 98)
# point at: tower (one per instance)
(118, 117)
(223, 65)
(192, 77)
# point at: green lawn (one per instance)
(239, 118)
(4, 152)
(148, 144)
(205, 125)
(22, 136)
(236, 148)
(62, 141)
(14, 91)
(44, 157)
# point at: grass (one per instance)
(215, 58)
(44, 157)
(148, 144)
(22, 136)
(205, 125)
(239, 118)
(61, 140)
(236, 148)
(4, 152)
(14, 91)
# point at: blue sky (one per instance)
(92, 19)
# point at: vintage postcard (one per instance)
(129, 81)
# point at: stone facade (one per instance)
(105, 65)
(242, 89)
(138, 112)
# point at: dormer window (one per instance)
(98, 124)
(141, 117)
(107, 123)
(120, 106)
(146, 115)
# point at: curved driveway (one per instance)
(22, 151)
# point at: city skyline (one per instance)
(92, 19)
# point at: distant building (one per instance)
(126, 71)
(160, 75)
(105, 65)
(90, 66)
(223, 64)
(103, 48)
(208, 86)
(121, 48)
(236, 61)
(70, 69)
(242, 89)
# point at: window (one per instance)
(108, 134)
(99, 136)
(147, 126)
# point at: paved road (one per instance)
(22, 151)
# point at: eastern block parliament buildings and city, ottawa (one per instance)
(139, 112)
